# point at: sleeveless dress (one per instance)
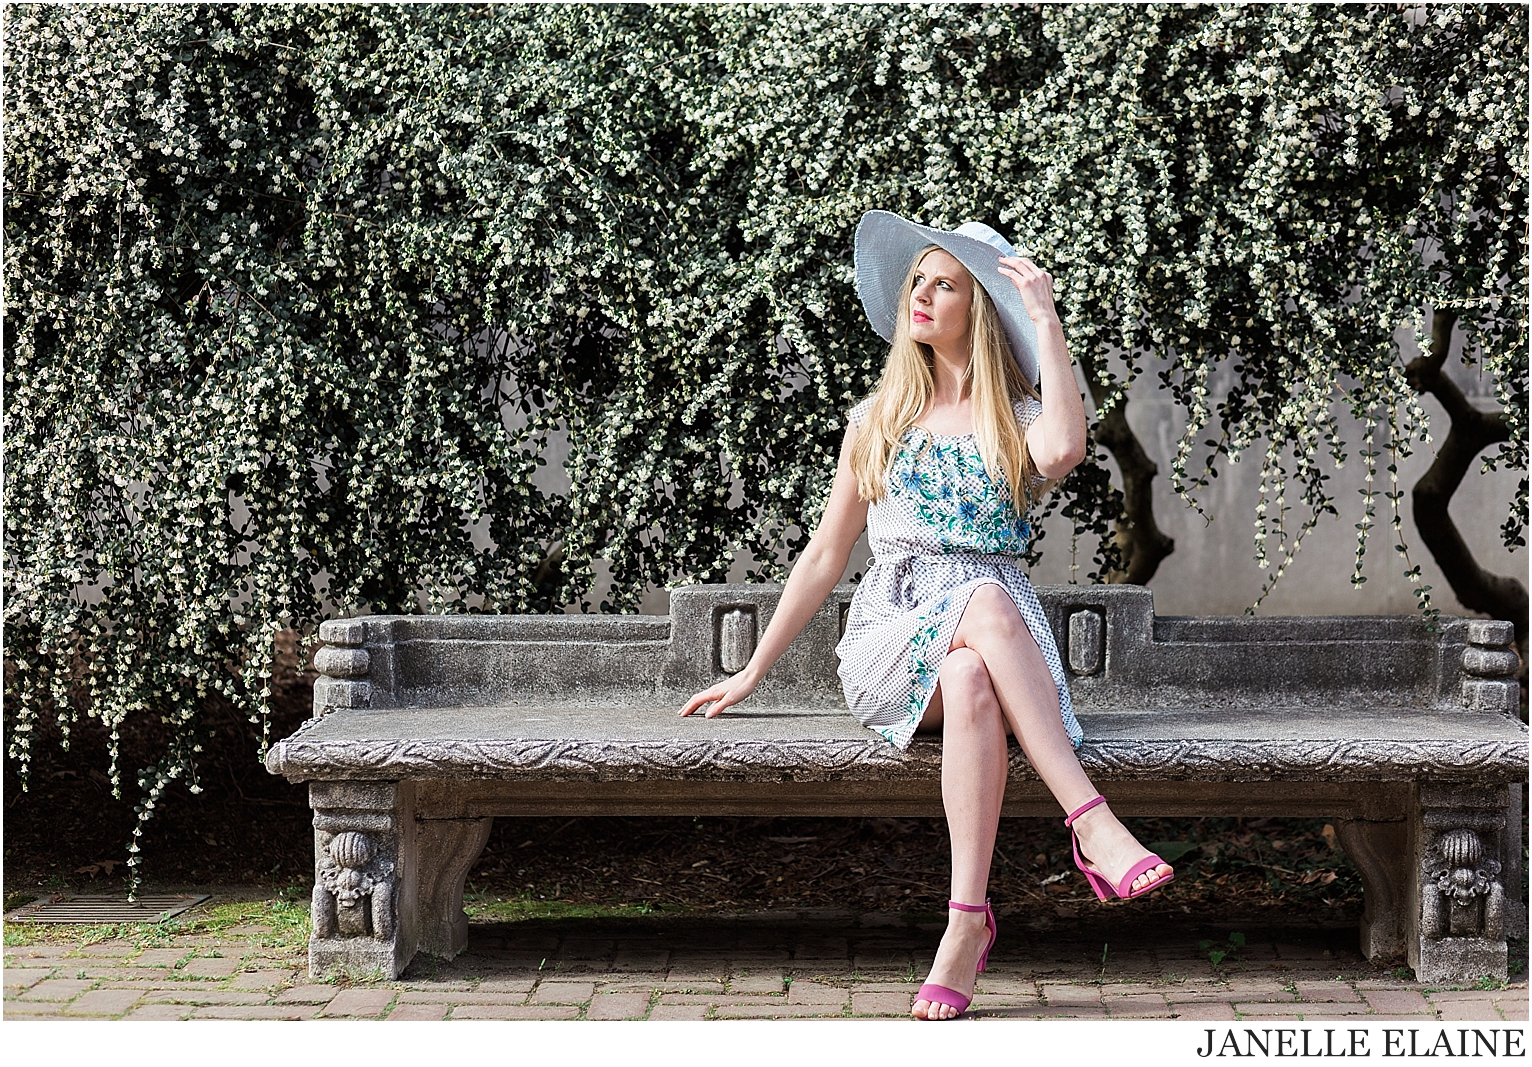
(942, 530)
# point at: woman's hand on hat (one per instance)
(1034, 284)
(722, 695)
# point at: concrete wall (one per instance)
(1213, 570)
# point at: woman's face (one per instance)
(940, 301)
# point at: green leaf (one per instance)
(1170, 851)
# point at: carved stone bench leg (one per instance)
(1380, 852)
(1458, 900)
(364, 912)
(447, 849)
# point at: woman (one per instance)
(945, 633)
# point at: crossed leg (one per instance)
(993, 682)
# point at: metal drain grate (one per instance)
(96, 910)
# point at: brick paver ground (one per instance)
(778, 964)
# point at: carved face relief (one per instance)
(351, 886)
(1460, 871)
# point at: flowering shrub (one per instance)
(1279, 188)
(296, 296)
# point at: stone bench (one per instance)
(426, 728)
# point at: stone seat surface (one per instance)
(1374, 742)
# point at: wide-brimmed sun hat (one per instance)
(886, 246)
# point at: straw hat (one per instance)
(886, 246)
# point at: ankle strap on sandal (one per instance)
(1083, 808)
(969, 907)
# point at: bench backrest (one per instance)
(1117, 653)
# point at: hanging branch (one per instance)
(1471, 432)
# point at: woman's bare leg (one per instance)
(973, 785)
(992, 627)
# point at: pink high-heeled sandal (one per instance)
(1122, 890)
(940, 994)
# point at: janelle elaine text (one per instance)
(1298, 1042)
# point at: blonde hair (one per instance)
(993, 380)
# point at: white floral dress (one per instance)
(942, 530)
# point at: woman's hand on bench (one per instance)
(722, 694)
(814, 575)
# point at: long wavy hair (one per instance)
(993, 380)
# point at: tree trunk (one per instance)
(1144, 545)
(547, 576)
(1471, 431)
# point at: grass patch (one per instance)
(16, 900)
(1216, 953)
(286, 916)
(489, 908)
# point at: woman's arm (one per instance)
(1056, 438)
(813, 576)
